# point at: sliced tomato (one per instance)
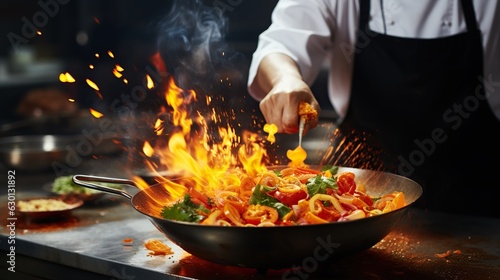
(256, 214)
(289, 198)
(364, 197)
(329, 214)
(199, 198)
(346, 183)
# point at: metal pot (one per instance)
(272, 247)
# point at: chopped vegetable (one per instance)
(185, 211)
(291, 196)
(157, 247)
(319, 184)
(260, 196)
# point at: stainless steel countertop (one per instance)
(88, 245)
(91, 240)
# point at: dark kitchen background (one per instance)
(74, 31)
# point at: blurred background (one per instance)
(72, 32)
(44, 41)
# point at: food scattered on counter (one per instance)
(448, 253)
(291, 196)
(127, 241)
(157, 247)
(43, 205)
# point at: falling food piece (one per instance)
(271, 129)
(128, 241)
(297, 157)
(157, 247)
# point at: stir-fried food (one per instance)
(307, 111)
(290, 196)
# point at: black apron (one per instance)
(418, 108)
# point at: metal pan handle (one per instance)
(84, 180)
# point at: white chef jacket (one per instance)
(322, 33)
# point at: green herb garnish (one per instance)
(259, 196)
(319, 184)
(185, 211)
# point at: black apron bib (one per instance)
(419, 108)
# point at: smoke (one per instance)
(192, 42)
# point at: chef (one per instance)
(417, 81)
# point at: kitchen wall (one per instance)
(73, 31)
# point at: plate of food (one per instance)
(47, 208)
(64, 186)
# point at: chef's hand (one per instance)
(279, 77)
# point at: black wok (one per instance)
(273, 247)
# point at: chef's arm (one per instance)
(281, 90)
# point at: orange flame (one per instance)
(150, 84)
(117, 73)
(66, 78)
(96, 113)
(92, 84)
(193, 155)
(147, 149)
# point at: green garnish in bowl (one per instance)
(64, 185)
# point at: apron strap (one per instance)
(364, 14)
(470, 15)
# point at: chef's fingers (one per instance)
(281, 109)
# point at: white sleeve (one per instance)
(301, 29)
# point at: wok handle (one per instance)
(83, 180)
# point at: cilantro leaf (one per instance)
(259, 196)
(332, 168)
(319, 184)
(185, 211)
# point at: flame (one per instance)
(92, 84)
(66, 78)
(192, 154)
(147, 149)
(157, 61)
(71, 100)
(117, 73)
(111, 54)
(96, 113)
(150, 84)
